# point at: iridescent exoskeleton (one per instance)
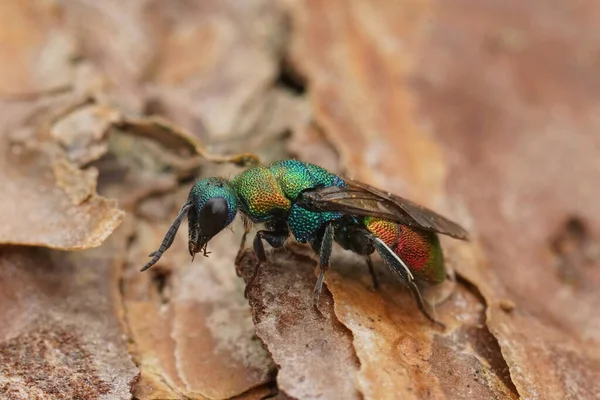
(318, 208)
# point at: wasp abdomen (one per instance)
(419, 249)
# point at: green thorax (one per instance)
(270, 190)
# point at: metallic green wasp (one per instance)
(318, 207)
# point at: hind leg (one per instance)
(398, 266)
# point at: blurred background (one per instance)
(485, 111)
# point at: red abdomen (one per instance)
(420, 250)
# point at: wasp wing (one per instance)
(364, 200)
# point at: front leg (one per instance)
(238, 258)
(276, 239)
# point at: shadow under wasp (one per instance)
(318, 207)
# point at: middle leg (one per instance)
(372, 272)
(323, 248)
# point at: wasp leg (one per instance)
(276, 239)
(372, 272)
(399, 267)
(238, 257)
(169, 236)
(205, 251)
(324, 251)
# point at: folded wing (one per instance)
(364, 200)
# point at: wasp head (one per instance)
(214, 206)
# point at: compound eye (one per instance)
(213, 217)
